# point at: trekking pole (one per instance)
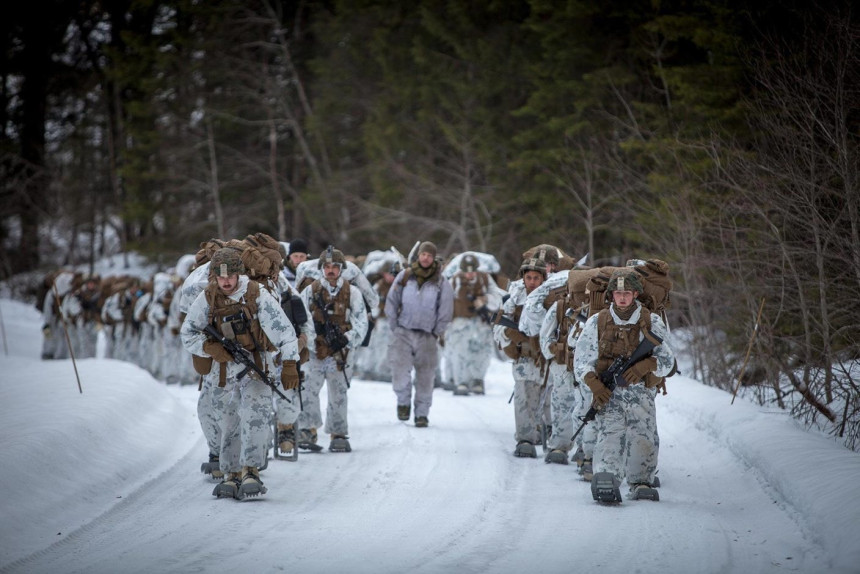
(749, 349)
(3, 330)
(68, 340)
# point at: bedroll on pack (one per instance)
(589, 285)
(261, 257)
(206, 250)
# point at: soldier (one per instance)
(243, 311)
(529, 364)
(419, 306)
(469, 338)
(82, 309)
(340, 323)
(54, 344)
(627, 444)
(373, 359)
(297, 253)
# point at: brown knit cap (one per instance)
(427, 247)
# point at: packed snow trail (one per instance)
(450, 498)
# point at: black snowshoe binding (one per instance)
(556, 456)
(212, 468)
(644, 491)
(605, 488)
(339, 443)
(308, 440)
(229, 487)
(525, 449)
(251, 484)
(285, 438)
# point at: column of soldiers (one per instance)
(304, 323)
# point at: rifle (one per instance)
(295, 311)
(335, 340)
(610, 376)
(242, 357)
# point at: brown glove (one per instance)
(598, 389)
(636, 373)
(289, 375)
(217, 351)
(304, 356)
(514, 335)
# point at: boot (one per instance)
(421, 422)
(403, 412)
(644, 491)
(477, 387)
(339, 443)
(525, 449)
(212, 467)
(461, 391)
(587, 470)
(557, 456)
(251, 483)
(286, 437)
(229, 487)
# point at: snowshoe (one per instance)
(587, 470)
(308, 440)
(229, 487)
(579, 458)
(339, 443)
(644, 491)
(422, 422)
(286, 446)
(461, 391)
(556, 456)
(251, 483)
(212, 467)
(605, 488)
(403, 412)
(525, 449)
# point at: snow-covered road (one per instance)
(449, 498)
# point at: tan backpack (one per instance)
(589, 286)
(262, 257)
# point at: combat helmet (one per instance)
(533, 264)
(468, 263)
(225, 262)
(624, 280)
(331, 255)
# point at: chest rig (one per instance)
(238, 321)
(521, 345)
(465, 296)
(565, 309)
(615, 340)
(337, 308)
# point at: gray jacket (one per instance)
(429, 308)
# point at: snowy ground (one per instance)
(108, 481)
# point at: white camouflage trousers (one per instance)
(627, 440)
(564, 399)
(527, 394)
(469, 343)
(241, 410)
(372, 362)
(317, 373)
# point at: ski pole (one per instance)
(66, 333)
(3, 329)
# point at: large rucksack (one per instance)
(262, 257)
(589, 285)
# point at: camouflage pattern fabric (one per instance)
(527, 395)
(468, 343)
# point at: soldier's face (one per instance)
(331, 271)
(228, 285)
(425, 259)
(532, 280)
(624, 299)
(296, 258)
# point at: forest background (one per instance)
(718, 135)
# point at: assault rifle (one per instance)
(242, 357)
(334, 338)
(612, 376)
